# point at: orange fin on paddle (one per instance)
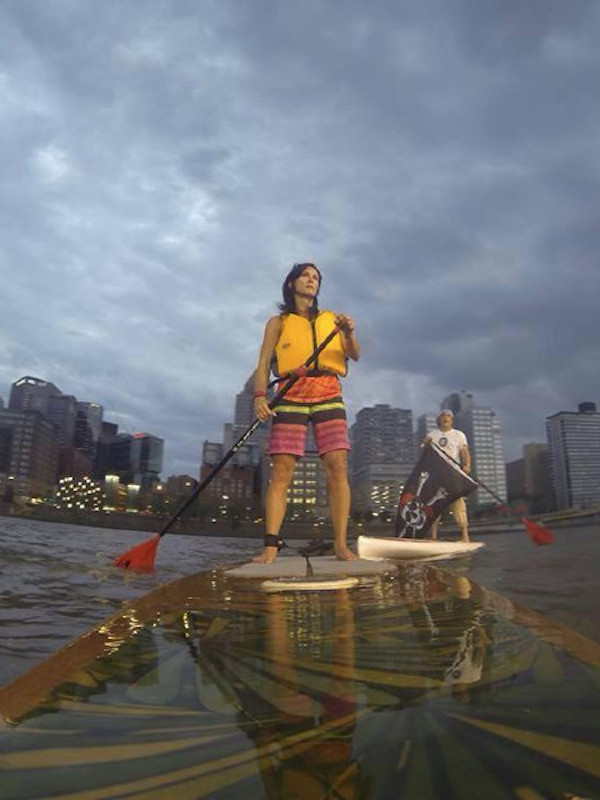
(140, 558)
(539, 533)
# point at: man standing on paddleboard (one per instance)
(289, 340)
(454, 443)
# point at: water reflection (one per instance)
(420, 685)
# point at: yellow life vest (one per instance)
(299, 339)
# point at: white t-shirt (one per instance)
(451, 442)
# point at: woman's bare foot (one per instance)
(268, 556)
(344, 554)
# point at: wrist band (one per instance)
(259, 394)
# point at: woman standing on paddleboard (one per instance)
(289, 339)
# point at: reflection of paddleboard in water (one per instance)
(213, 687)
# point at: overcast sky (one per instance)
(165, 162)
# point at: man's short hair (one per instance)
(444, 411)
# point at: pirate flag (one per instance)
(435, 483)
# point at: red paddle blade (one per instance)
(140, 558)
(539, 533)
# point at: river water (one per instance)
(56, 580)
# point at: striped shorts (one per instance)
(290, 426)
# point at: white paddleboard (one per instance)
(374, 547)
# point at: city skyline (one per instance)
(230, 432)
(165, 163)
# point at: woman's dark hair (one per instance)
(289, 304)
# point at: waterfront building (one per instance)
(484, 435)
(32, 394)
(83, 494)
(307, 495)
(108, 434)
(137, 459)
(425, 424)
(382, 458)
(147, 456)
(528, 479)
(574, 449)
(119, 457)
(88, 427)
(74, 463)
(179, 485)
(78, 424)
(115, 493)
(248, 469)
(515, 481)
(235, 483)
(29, 450)
(61, 409)
(243, 417)
(538, 483)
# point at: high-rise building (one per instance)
(574, 447)
(252, 455)
(136, 459)
(528, 479)
(382, 434)
(28, 454)
(78, 425)
(32, 394)
(108, 434)
(179, 485)
(307, 495)
(243, 417)
(147, 452)
(88, 427)
(537, 481)
(515, 481)
(62, 411)
(425, 424)
(382, 458)
(484, 436)
(234, 484)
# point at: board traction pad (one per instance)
(295, 567)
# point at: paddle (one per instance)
(539, 533)
(142, 556)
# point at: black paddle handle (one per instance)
(247, 434)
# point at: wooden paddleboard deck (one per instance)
(391, 547)
(322, 566)
(418, 684)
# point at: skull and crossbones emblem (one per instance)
(414, 510)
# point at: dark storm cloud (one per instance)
(164, 163)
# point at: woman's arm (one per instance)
(261, 376)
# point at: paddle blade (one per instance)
(539, 533)
(140, 558)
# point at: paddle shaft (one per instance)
(246, 435)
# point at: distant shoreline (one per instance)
(151, 523)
